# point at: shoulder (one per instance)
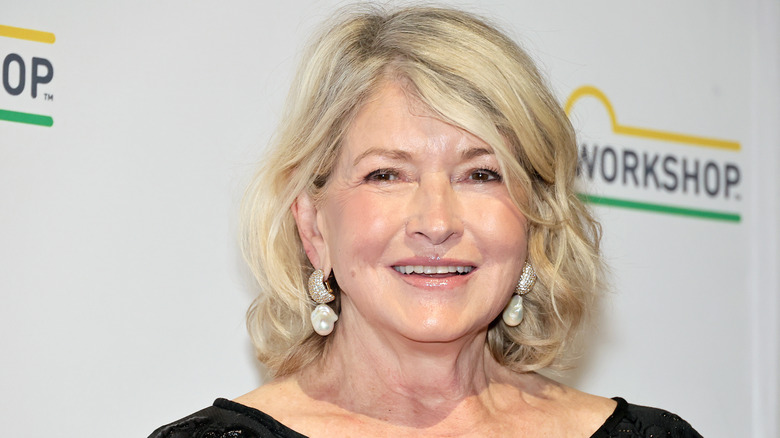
(633, 421)
(225, 419)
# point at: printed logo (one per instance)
(652, 170)
(26, 76)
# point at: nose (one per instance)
(434, 214)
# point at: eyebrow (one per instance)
(475, 152)
(397, 154)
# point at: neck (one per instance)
(390, 377)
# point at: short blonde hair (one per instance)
(472, 76)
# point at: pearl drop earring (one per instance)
(323, 318)
(513, 313)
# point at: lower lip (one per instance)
(437, 281)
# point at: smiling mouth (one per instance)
(433, 270)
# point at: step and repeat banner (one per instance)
(128, 131)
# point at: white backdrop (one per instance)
(123, 291)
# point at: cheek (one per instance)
(361, 226)
(501, 225)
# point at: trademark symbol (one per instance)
(47, 96)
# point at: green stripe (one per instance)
(657, 208)
(32, 119)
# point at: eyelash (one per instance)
(386, 175)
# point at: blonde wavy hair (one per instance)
(472, 76)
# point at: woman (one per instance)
(421, 191)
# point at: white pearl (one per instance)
(513, 313)
(323, 319)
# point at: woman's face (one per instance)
(419, 229)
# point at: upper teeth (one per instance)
(419, 269)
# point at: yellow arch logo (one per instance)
(617, 128)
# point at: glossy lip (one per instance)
(439, 281)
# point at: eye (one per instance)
(484, 175)
(381, 175)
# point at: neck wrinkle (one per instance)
(409, 383)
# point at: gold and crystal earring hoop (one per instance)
(323, 317)
(513, 313)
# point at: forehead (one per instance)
(395, 119)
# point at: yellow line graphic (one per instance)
(38, 36)
(591, 91)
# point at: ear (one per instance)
(306, 218)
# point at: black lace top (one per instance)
(227, 419)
